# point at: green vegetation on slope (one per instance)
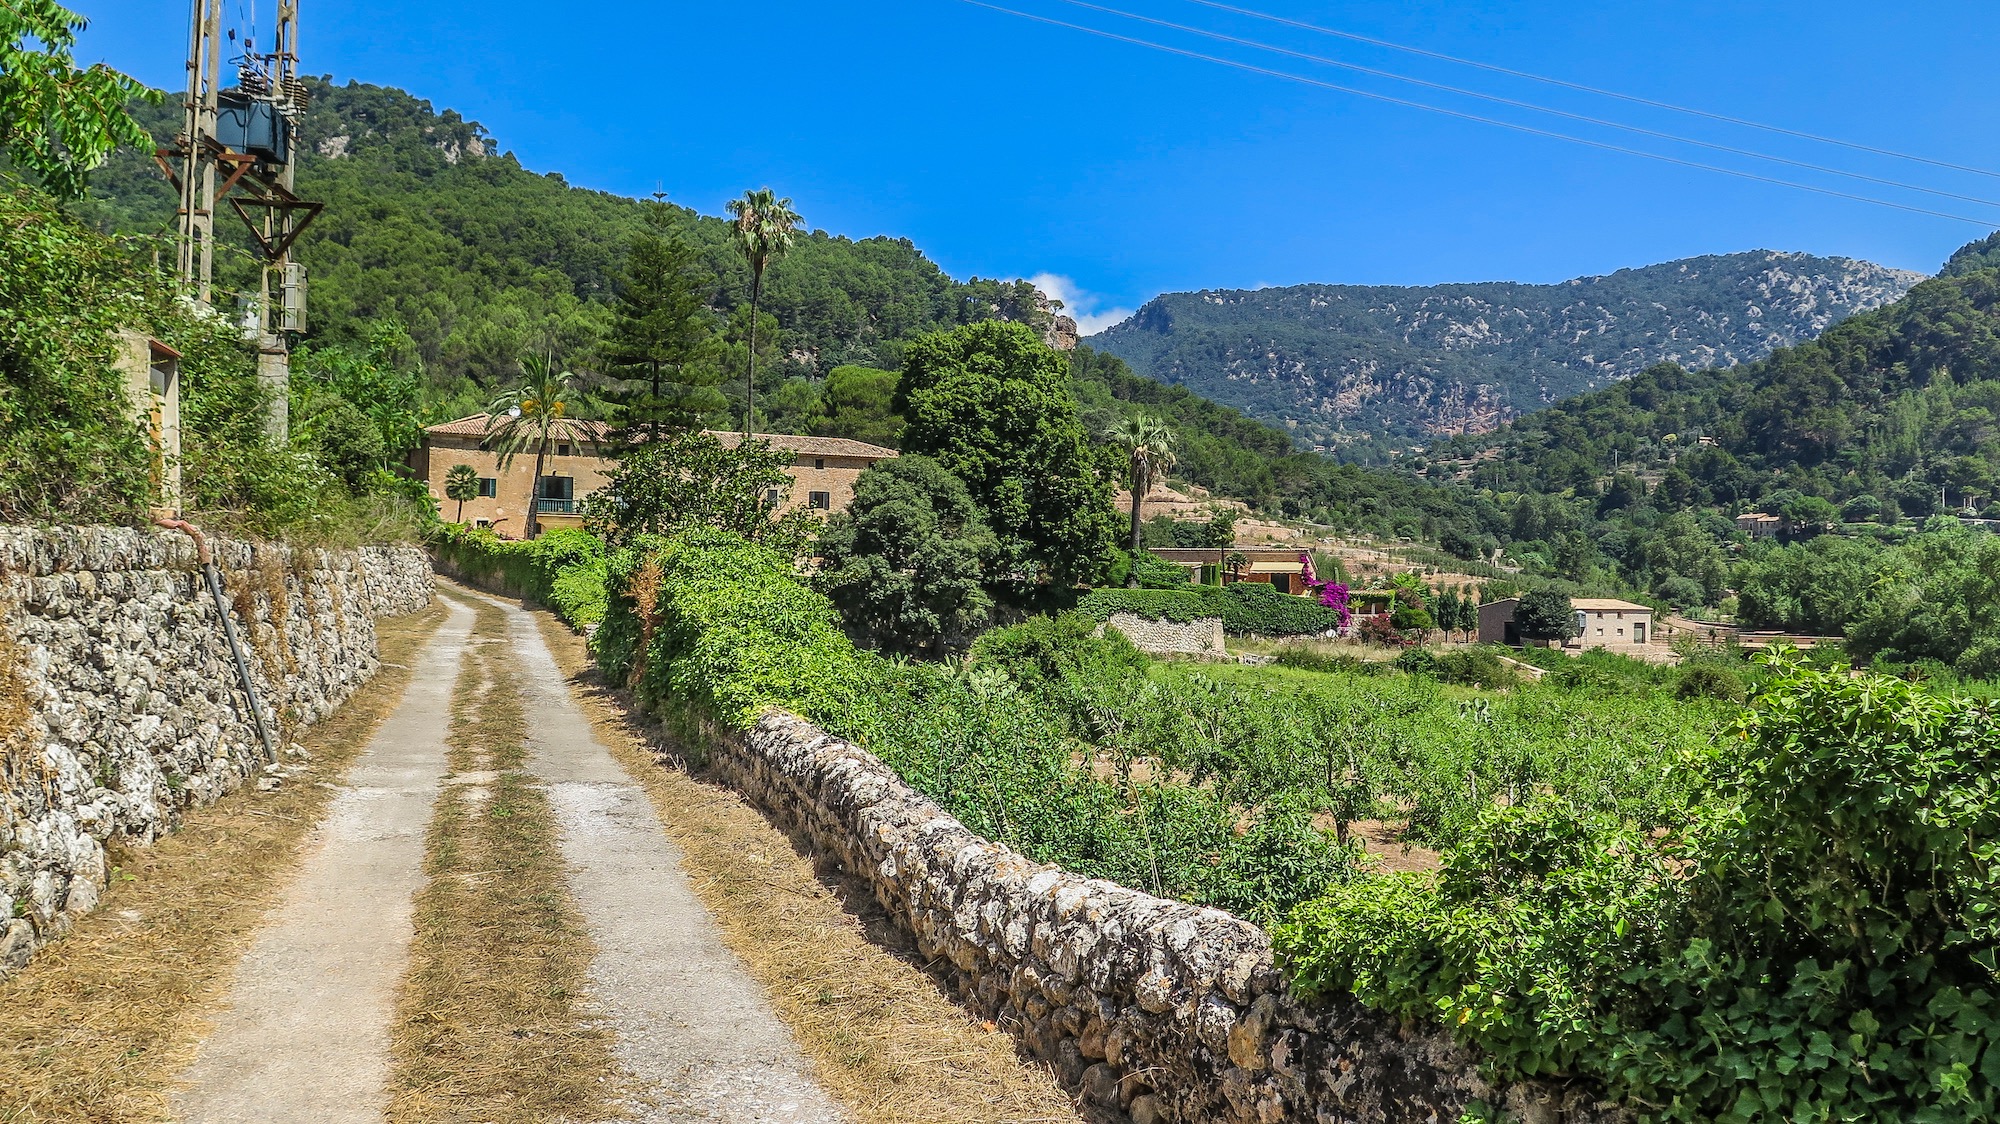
(430, 225)
(1898, 404)
(1348, 367)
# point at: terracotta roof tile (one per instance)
(1608, 603)
(475, 426)
(810, 446)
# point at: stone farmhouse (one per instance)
(1602, 622)
(823, 471)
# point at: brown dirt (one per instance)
(101, 1021)
(883, 1036)
(1388, 849)
(490, 1022)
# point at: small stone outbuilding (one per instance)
(1601, 622)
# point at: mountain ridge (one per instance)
(1342, 366)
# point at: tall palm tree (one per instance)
(765, 228)
(1149, 453)
(528, 417)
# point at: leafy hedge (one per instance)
(1246, 608)
(710, 629)
(1818, 945)
(563, 569)
(706, 626)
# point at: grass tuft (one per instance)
(491, 1024)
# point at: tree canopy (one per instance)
(989, 402)
(906, 564)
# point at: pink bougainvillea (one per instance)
(1333, 595)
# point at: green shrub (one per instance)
(1418, 661)
(1709, 681)
(1816, 944)
(1475, 667)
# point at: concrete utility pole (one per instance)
(196, 163)
(248, 133)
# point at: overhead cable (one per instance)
(1586, 119)
(1517, 127)
(1598, 90)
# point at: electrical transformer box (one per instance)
(253, 125)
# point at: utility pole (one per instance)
(196, 162)
(248, 132)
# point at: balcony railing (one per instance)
(546, 506)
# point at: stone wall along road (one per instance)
(120, 703)
(1154, 1010)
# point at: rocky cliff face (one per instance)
(1341, 363)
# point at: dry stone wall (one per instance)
(1153, 1010)
(120, 704)
(1201, 636)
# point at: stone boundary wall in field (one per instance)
(1201, 636)
(1154, 1010)
(120, 704)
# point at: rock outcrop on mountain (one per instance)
(1342, 364)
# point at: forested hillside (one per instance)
(431, 224)
(432, 228)
(1892, 412)
(1344, 367)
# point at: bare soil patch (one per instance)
(882, 1035)
(96, 1027)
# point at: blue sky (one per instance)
(1008, 148)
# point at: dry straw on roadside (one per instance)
(490, 1023)
(99, 1024)
(883, 1037)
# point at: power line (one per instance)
(1674, 137)
(1530, 129)
(1601, 92)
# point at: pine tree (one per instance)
(664, 336)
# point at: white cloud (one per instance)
(1080, 305)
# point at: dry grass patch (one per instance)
(883, 1037)
(490, 1021)
(98, 1025)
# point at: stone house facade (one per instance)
(823, 470)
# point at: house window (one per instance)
(482, 522)
(562, 448)
(556, 495)
(489, 487)
(770, 495)
(1281, 582)
(819, 462)
(820, 501)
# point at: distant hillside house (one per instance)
(1601, 622)
(823, 470)
(1758, 525)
